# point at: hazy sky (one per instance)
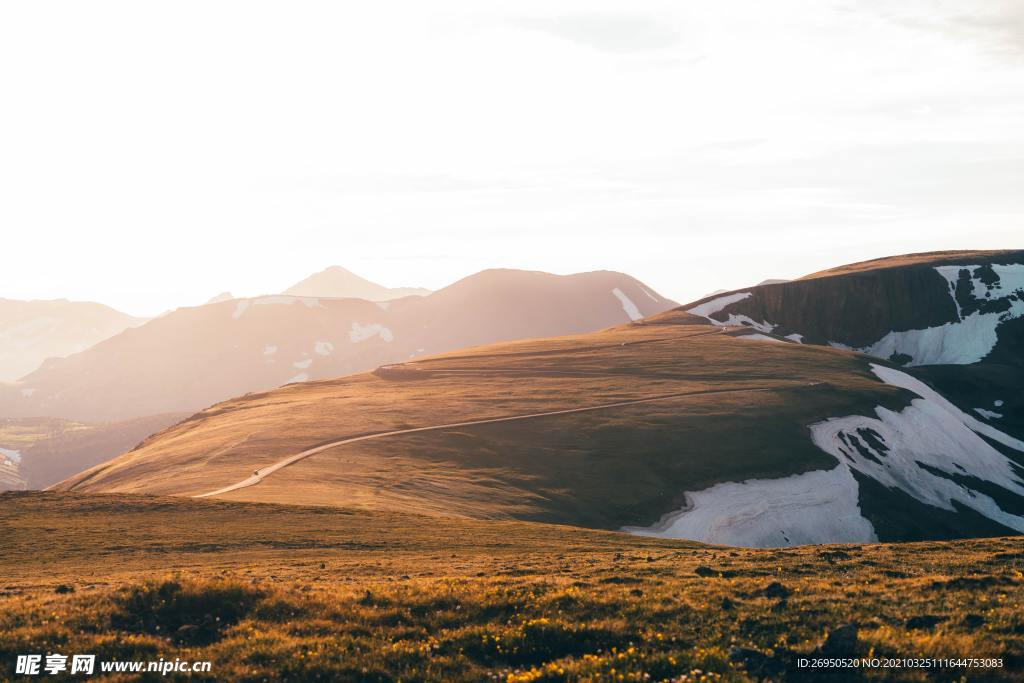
(155, 154)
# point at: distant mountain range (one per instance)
(32, 331)
(195, 356)
(743, 419)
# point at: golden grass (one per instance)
(331, 594)
(622, 466)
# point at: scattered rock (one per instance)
(186, 633)
(924, 621)
(973, 620)
(841, 642)
(705, 571)
(64, 588)
(776, 590)
(755, 662)
(323, 565)
(781, 606)
(727, 604)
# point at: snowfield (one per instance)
(360, 333)
(757, 336)
(715, 305)
(930, 450)
(627, 305)
(767, 513)
(277, 300)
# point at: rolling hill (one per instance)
(32, 331)
(668, 426)
(192, 357)
(38, 452)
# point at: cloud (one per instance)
(997, 26)
(607, 32)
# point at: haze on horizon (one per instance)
(152, 156)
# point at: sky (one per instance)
(153, 155)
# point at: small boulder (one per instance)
(776, 590)
(924, 622)
(841, 642)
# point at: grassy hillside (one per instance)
(294, 593)
(606, 468)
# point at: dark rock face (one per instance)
(858, 308)
(855, 310)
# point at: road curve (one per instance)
(263, 472)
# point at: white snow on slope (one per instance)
(715, 305)
(12, 455)
(970, 338)
(360, 333)
(989, 414)
(277, 300)
(956, 343)
(735, 320)
(798, 338)
(760, 337)
(323, 348)
(768, 513)
(301, 377)
(649, 295)
(269, 350)
(887, 448)
(302, 364)
(930, 431)
(27, 393)
(627, 304)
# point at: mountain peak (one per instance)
(341, 283)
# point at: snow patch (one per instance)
(323, 348)
(715, 305)
(383, 305)
(240, 308)
(798, 338)
(971, 337)
(956, 343)
(360, 333)
(269, 350)
(988, 414)
(649, 295)
(760, 337)
(12, 455)
(767, 513)
(997, 403)
(27, 393)
(301, 377)
(919, 450)
(911, 449)
(708, 308)
(278, 300)
(627, 305)
(302, 364)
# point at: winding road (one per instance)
(264, 472)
